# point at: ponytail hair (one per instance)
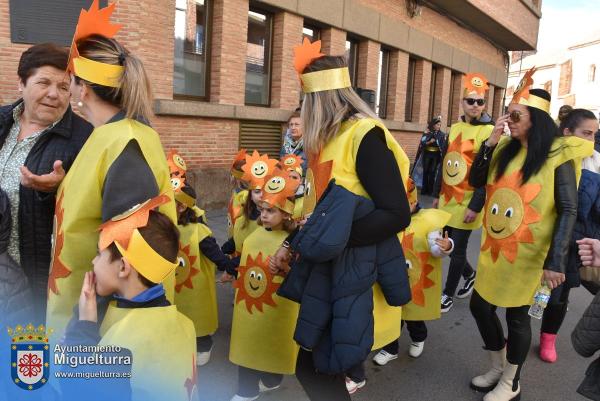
(134, 95)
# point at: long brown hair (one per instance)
(134, 95)
(323, 112)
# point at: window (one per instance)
(410, 89)
(566, 73)
(432, 91)
(382, 83)
(190, 69)
(592, 73)
(548, 87)
(258, 58)
(352, 57)
(310, 33)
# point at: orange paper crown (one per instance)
(476, 82)
(257, 168)
(236, 166)
(412, 191)
(95, 21)
(279, 190)
(292, 162)
(522, 95)
(122, 230)
(177, 165)
(335, 78)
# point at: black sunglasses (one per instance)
(470, 101)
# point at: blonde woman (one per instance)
(346, 142)
(121, 165)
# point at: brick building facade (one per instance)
(222, 70)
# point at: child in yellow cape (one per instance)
(199, 257)
(262, 331)
(423, 246)
(256, 168)
(136, 252)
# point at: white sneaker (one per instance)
(240, 398)
(202, 358)
(383, 357)
(352, 386)
(416, 349)
(264, 389)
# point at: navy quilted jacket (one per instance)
(333, 283)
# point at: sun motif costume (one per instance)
(337, 160)
(157, 372)
(263, 323)
(464, 141)
(195, 288)
(238, 196)
(80, 197)
(519, 218)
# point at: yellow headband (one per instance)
(325, 80)
(185, 199)
(146, 260)
(97, 72)
(537, 102)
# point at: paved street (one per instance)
(453, 354)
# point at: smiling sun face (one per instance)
(256, 169)
(418, 270)
(508, 215)
(456, 168)
(185, 270)
(255, 284)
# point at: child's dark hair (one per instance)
(249, 209)
(575, 118)
(540, 137)
(188, 216)
(162, 236)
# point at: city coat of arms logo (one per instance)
(29, 358)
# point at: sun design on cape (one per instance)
(57, 267)
(317, 178)
(456, 168)
(255, 284)
(185, 270)
(508, 214)
(418, 270)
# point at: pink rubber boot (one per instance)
(547, 347)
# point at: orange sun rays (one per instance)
(189, 260)
(257, 300)
(58, 269)
(422, 282)
(466, 149)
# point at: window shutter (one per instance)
(566, 72)
(262, 136)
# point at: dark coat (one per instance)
(586, 341)
(36, 209)
(588, 222)
(333, 283)
(15, 295)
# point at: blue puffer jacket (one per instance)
(588, 221)
(333, 283)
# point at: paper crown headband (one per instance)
(476, 82)
(95, 21)
(177, 170)
(522, 95)
(411, 191)
(123, 231)
(238, 162)
(257, 168)
(318, 81)
(279, 190)
(292, 163)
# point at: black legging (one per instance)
(318, 386)
(459, 265)
(555, 312)
(431, 160)
(248, 381)
(492, 333)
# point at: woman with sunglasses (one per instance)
(583, 124)
(452, 191)
(529, 215)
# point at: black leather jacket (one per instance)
(36, 209)
(565, 199)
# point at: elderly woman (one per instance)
(293, 144)
(40, 136)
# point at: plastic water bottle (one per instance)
(540, 301)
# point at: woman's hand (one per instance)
(589, 252)
(553, 279)
(470, 216)
(498, 131)
(435, 203)
(225, 278)
(45, 182)
(88, 309)
(444, 243)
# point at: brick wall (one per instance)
(368, 64)
(421, 95)
(285, 87)
(397, 85)
(333, 41)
